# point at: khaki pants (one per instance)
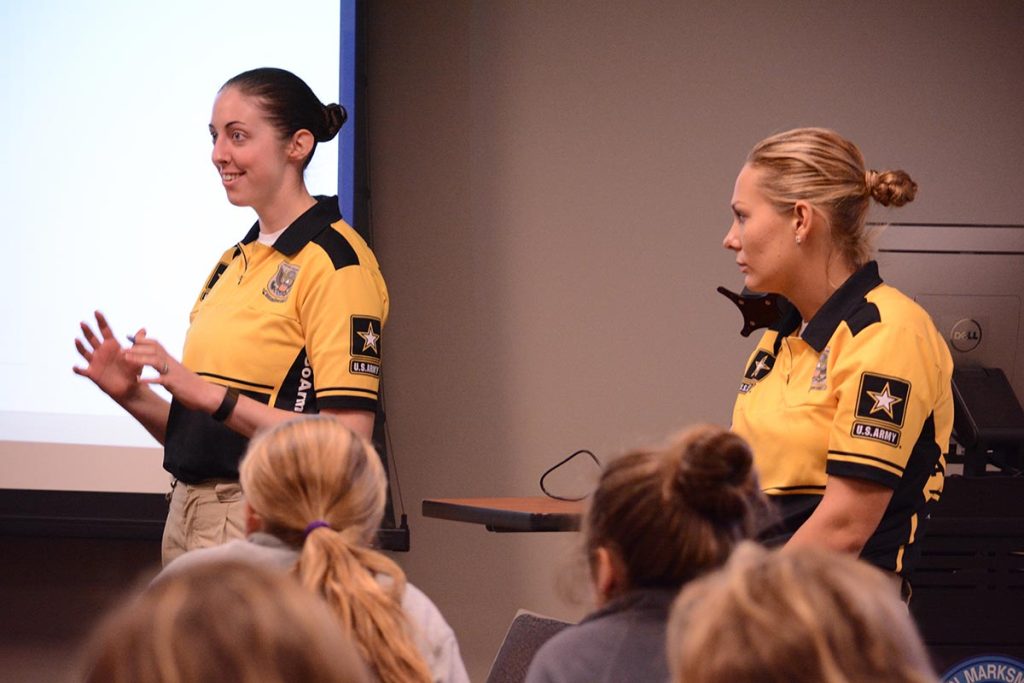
(202, 515)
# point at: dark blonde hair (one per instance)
(802, 615)
(826, 170)
(315, 470)
(218, 622)
(674, 512)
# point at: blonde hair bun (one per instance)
(890, 188)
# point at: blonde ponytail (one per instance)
(319, 487)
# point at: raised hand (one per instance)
(106, 364)
(190, 389)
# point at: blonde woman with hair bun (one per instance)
(315, 494)
(846, 400)
(659, 517)
(807, 615)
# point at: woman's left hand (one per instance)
(187, 387)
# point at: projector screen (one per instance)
(113, 204)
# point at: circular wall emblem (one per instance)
(986, 669)
(965, 335)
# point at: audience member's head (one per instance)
(802, 615)
(223, 622)
(315, 485)
(660, 517)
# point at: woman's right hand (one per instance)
(107, 366)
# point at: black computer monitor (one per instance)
(970, 279)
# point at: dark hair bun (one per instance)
(334, 118)
(715, 474)
(890, 188)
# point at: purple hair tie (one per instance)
(316, 524)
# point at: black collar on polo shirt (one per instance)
(304, 228)
(839, 307)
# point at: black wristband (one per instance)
(227, 405)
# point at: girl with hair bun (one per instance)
(659, 518)
(314, 495)
(288, 321)
(846, 401)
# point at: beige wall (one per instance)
(550, 190)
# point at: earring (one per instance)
(798, 240)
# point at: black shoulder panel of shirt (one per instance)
(315, 226)
(846, 304)
(863, 316)
(338, 248)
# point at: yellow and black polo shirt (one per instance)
(296, 325)
(864, 392)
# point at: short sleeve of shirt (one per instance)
(343, 319)
(887, 385)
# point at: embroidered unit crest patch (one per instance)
(280, 286)
(819, 380)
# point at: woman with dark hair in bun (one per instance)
(846, 401)
(659, 518)
(288, 322)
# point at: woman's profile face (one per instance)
(248, 152)
(764, 240)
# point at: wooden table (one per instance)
(536, 513)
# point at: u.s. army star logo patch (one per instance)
(881, 408)
(758, 369)
(366, 346)
(366, 338)
(883, 399)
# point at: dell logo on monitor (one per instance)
(965, 335)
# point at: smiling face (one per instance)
(764, 239)
(249, 154)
